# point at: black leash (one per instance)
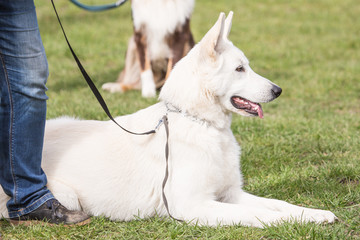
(166, 124)
(104, 106)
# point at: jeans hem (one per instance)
(32, 207)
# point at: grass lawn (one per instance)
(305, 151)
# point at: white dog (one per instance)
(97, 167)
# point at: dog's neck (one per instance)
(170, 108)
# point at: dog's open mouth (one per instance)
(247, 106)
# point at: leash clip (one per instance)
(161, 121)
(158, 125)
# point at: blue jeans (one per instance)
(23, 75)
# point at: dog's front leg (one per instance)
(148, 88)
(215, 213)
(293, 211)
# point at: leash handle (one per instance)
(91, 83)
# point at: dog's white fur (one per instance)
(96, 166)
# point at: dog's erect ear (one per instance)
(213, 39)
(227, 26)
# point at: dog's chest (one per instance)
(161, 17)
(211, 154)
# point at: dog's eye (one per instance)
(240, 69)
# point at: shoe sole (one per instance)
(44, 223)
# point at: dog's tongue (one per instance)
(245, 104)
(258, 108)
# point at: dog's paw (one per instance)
(112, 87)
(319, 216)
(309, 215)
(148, 88)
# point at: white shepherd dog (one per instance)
(97, 167)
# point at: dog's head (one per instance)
(216, 75)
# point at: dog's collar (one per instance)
(173, 109)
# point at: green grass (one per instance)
(305, 151)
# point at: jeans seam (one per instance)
(11, 127)
(23, 56)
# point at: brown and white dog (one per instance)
(161, 38)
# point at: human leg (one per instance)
(23, 75)
(23, 107)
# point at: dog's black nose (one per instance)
(276, 91)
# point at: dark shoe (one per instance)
(54, 213)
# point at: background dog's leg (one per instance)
(148, 88)
(129, 78)
(169, 67)
(180, 44)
